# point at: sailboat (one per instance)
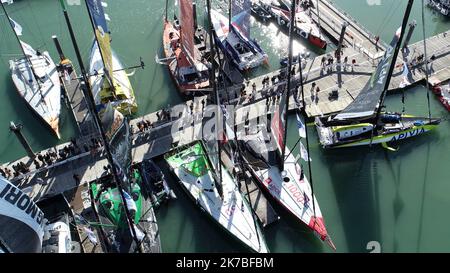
(233, 36)
(443, 6)
(155, 182)
(280, 176)
(192, 166)
(259, 12)
(109, 81)
(305, 27)
(118, 200)
(110, 209)
(36, 80)
(287, 185)
(185, 50)
(363, 122)
(200, 173)
(443, 94)
(107, 199)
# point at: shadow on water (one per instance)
(398, 203)
(288, 235)
(354, 174)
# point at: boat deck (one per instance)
(259, 203)
(80, 203)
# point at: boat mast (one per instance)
(306, 136)
(214, 87)
(21, 47)
(426, 59)
(111, 84)
(229, 14)
(394, 60)
(165, 16)
(93, 111)
(286, 93)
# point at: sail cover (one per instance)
(240, 11)
(102, 34)
(117, 131)
(187, 28)
(21, 220)
(366, 103)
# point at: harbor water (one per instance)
(368, 196)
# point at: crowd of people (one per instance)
(327, 63)
(48, 158)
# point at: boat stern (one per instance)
(325, 134)
(317, 41)
(54, 125)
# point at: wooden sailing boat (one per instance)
(280, 176)
(363, 122)
(109, 81)
(233, 36)
(185, 50)
(36, 80)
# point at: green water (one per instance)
(399, 199)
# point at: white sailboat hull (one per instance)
(45, 100)
(294, 194)
(232, 213)
(127, 105)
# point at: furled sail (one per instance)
(117, 131)
(21, 220)
(187, 28)
(240, 19)
(102, 34)
(278, 124)
(367, 102)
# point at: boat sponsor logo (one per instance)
(298, 195)
(412, 133)
(22, 204)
